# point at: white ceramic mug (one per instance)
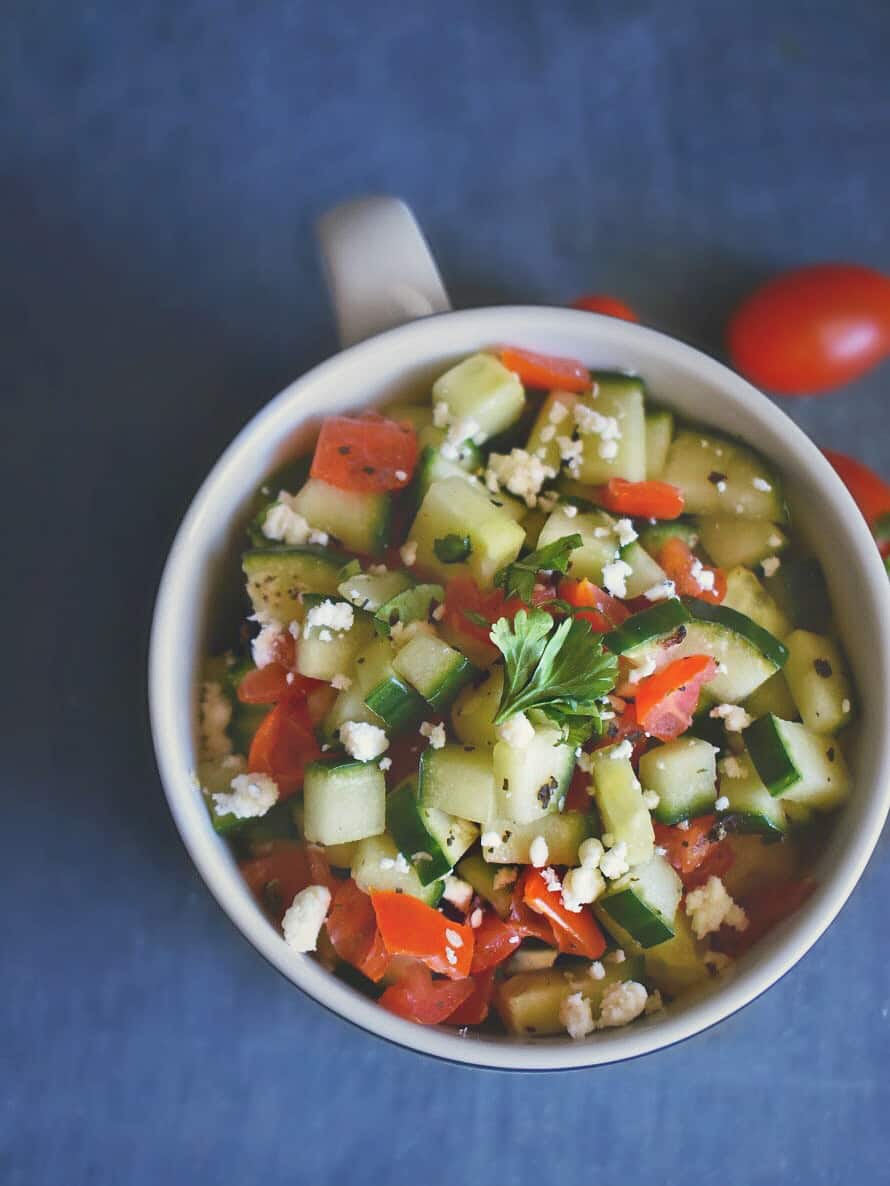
(382, 276)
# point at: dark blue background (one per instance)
(162, 166)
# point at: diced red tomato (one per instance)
(368, 454)
(605, 612)
(577, 797)
(717, 862)
(418, 997)
(546, 371)
(276, 877)
(666, 700)
(494, 940)
(475, 1008)
(625, 725)
(352, 930)
(463, 597)
(765, 907)
(269, 685)
(680, 565)
(693, 852)
(576, 934)
(527, 923)
(320, 868)
(644, 500)
(283, 746)
(609, 306)
(410, 927)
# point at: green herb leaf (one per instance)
(476, 619)
(518, 579)
(561, 669)
(452, 549)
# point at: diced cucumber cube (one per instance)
(644, 902)
(344, 802)
(435, 669)
(659, 431)
(532, 782)
(472, 716)
(719, 476)
(619, 798)
(480, 388)
(359, 520)
(277, 578)
(619, 397)
(562, 833)
(817, 676)
(459, 780)
(599, 543)
(729, 540)
(376, 866)
(684, 775)
(745, 593)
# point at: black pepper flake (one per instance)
(345, 450)
(368, 469)
(829, 753)
(507, 836)
(506, 785)
(676, 638)
(823, 668)
(531, 1029)
(716, 477)
(469, 749)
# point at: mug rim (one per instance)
(797, 934)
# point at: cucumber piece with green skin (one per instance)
(751, 807)
(459, 780)
(659, 433)
(472, 716)
(376, 866)
(772, 697)
(654, 536)
(677, 965)
(541, 441)
(532, 782)
(277, 578)
(436, 670)
(480, 388)
(644, 903)
(396, 704)
(644, 572)
(729, 540)
(432, 840)
(478, 873)
(434, 466)
(529, 1003)
(619, 799)
(748, 653)
(562, 833)
(599, 542)
(621, 397)
(412, 605)
(745, 593)
(817, 677)
(719, 476)
(454, 507)
(659, 624)
(349, 706)
(343, 801)
(320, 659)
(359, 520)
(798, 586)
(369, 591)
(683, 773)
(797, 764)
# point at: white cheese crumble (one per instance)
(558, 412)
(519, 472)
(770, 565)
(703, 577)
(570, 510)
(476, 918)
(608, 450)
(845, 705)
(622, 750)
(661, 591)
(362, 741)
(571, 451)
(651, 799)
(341, 682)
(551, 880)
(438, 613)
(319, 537)
(734, 717)
(732, 767)
(538, 853)
(284, 523)
(464, 429)
(304, 917)
(775, 540)
(401, 633)
(401, 476)
(590, 853)
(384, 764)
(337, 615)
(592, 422)
(761, 484)
(458, 892)
(441, 414)
(398, 862)
(683, 825)
(517, 731)
(645, 669)
(721, 803)
(622, 1002)
(263, 647)
(493, 840)
(580, 887)
(453, 937)
(435, 734)
(613, 864)
(710, 907)
(575, 1015)
(615, 957)
(216, 712)
(596, 971)
(450, 955)
(252, 795)
(624, 529)
(615, 575)
(408, 553)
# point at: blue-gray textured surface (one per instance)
(162, 166)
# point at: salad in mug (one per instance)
(538, 714)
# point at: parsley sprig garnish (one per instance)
(518, 578)
(560, 669)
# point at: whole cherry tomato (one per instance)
(812, 329)
(608, 305)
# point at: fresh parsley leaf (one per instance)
(561, 669)
(452, 549)
(518, 579)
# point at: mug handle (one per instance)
(378, 268)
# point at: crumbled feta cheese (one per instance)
(734, 717)
(710, 907)
(517, 731)
(294, 630)
(660, 850)
(770, 565)
(608, 450)
(538, 853)
(600, 532)
(304, 917)
(324, 635)
(284, 523)
(845, 705)
(337, 615)
(596, 971)
(252, 795)
(341, 682)
(453, 937)
(558, 412)
(732, 767)
(651, 799)
(493, 840)
(458, 892)
(570, 510)
(623, 749)
(580, 887)
(438, 613)
(615, 575)
(384, 764)
(624, 529)
(608, 839)
(704, 577)
(721, 486)
(661, 591)
(264, 647)
(721, 803)
(775, 540)
(450, 955)
(575, 1015)
(519, 472)
(505, 876)
(761, 484)
(551, 880)
(645, 669)
(548, 432)
(401, 633)
(435, 734)
(613, 864)
(441, 414)
(401, 476)
(615, 957)
(464, 429)
(321, 538)
(377, 570)
(401, 863)
(476, 919)
(362, 741)
(683, 825)
(591, 422)
(590, 853)
(622, 1002)
(585, 762)
(571, 452)
(216, 712)
(408, 553)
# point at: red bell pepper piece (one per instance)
(682, 567)
(666, 700)
(416, 996)
(644, 500)
(577, 934)
(546, 371)
(410, 927)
